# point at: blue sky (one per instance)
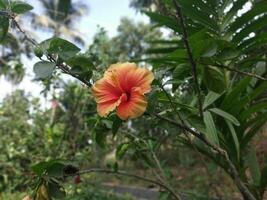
(104, 13)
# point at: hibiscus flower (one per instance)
(123, 88)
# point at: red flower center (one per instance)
(125, 97)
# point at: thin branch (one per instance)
(189, 52)
(232, 169)
(29, 39)
(172, 104)
(61, 66)
(66, 70)
(123, 173)
(237, 71)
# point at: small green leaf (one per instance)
(4, 25)
(210, 51)
(38, 52)
(210, 98)
(163, 20)
(55, 169)
(4, 4)
(43, 69)
(121, 150)
(56, 191)
(181, 71)
(117, 122)
(234, 136)
(100, 137)
(211, 131)
(20, 7)
(81, 65)
(214, 79)
(225, 115)
(253, 165)
(63, 48)
(40, 168)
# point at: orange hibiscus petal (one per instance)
(104, 90)
(129, 75)
(134, 107)
(105, 108)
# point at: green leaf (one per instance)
(100, 137)
(225, 115)
(43, 69)
(211, 132)
(235, 93)
(4, 25)
(181, 71)
(210, 51)
(4, 4)
(257, 9)
(55, 190)
(55, 169)
(199, 16)
(237, 5)
(162, 50)
(253, 165)
(117, 122)
(177, 54)
(254, 26)
(81, 65)
(40, 168)
(235, 138)
(20, 7)
(210, 98)
(228, 54)
(261, 106)
(63, 48)
(257, 91)
(214, 79)
(163, 20)
(122, 149)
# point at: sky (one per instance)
(103, 13)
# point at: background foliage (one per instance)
(206, 113)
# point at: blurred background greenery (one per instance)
(61, 121)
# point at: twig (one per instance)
(236, 70)
(189, 52)
(12, 17)
(61, 66)
(123, 173)
(172, 104)
(233, 171)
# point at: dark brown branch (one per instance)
(189, 52)
(232, 169)
(236, 70)
(123, 173)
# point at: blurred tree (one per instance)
(130, 43)
(60, 17)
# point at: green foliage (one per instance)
(44, 69)
(225, 45)
(20, 7)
